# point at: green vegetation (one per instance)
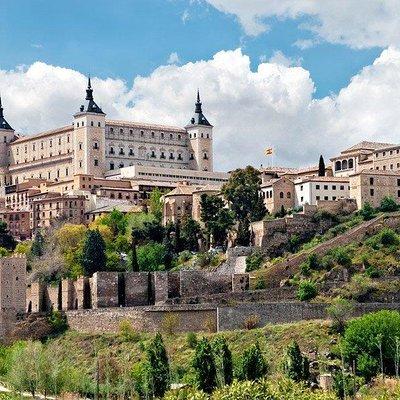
(307, 290)
(296, 366)
(254, 261)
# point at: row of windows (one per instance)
(372, 181)
(42, 144)
(42, 157)
(372, 192)
(82, 123)
(384, 153)
(391, 166)
(320, 198)
(143, 134)
(327, 187)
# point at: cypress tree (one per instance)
(37, 247)
(253, 365)
(177, 238)
(94, 253)
(296, 365)
(223, 361)
(321, 166)
(158, 367)
(134, 261)
(204, 366)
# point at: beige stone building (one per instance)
(371, 186)
(277, 193)
(18, 223)
(93, 145)
(184, 201)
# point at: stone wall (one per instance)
(195, 318)
(145, 319)
(203, 283)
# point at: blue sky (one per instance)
(122, 39)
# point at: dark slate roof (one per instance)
(3, 123)
(91, 106)
(198, 117)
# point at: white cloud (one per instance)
(304, 44)
(357, 23)
(185, 16)
(173, 58)
(279, 58)
(250, 110)
(37, 46)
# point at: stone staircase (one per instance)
(276, 273)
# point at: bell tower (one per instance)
(7, 134)
(200, 140)
(89, 137)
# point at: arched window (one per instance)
(344, 164)
(351, 163)
(289, 195)
(338, 165)
(281, 195)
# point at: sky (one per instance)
(306, 77)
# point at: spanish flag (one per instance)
(269, 151)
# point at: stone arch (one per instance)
(338, 165)
(351, 163)
(344, 164)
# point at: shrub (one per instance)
(388, 204)
(253, 365)
(151, 256)
(388, 237)
(341, 255)
(367, 366)
(170, 323)
(58, 322)
(344, 385)
(191, 340)
(260, 283)
(305, 269)
(254, 261)
(184, 256)
(367, 212)
(223, 361)
(372, 334)
(127, 332)
(251, 322)
(307, 290)
(296, 366)
(373, 272)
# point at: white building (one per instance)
(310, 189)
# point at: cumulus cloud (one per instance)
(250, 110)
(356, 23)
(173, 58)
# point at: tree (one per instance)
(204, 366)
(37, 247)
(242, 192)
(307, 290)
(216, 218)
(155, 204)
(223, 361)
(117, 222)
(151, 257)
(158, 367)
(243, 233)
(388, 204)
(134, 260)
(93, 253)
(177, 244)
(190, 233)
(374, 335)
(340, 311)
(296, 366)
(321, 166)
(253, 364)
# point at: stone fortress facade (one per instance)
(93, 145)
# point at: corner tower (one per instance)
(200, 140)
(89, 137)
(7, 134)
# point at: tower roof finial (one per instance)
(3, 123)
(199, 118)
(89, 90)
(91, 107)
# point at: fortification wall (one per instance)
(145, 319)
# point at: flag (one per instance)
(269, 151)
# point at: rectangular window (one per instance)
(371, 181)
(317, 187)
(325, 187)
(334, 187)
(325, 197)
(317, 197)
(371, 192)
(341, 187)
(96, 162)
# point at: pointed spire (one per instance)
(91, 105)
(199, 118)
(3, 123)
(89, 90)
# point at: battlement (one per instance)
(130, 289)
